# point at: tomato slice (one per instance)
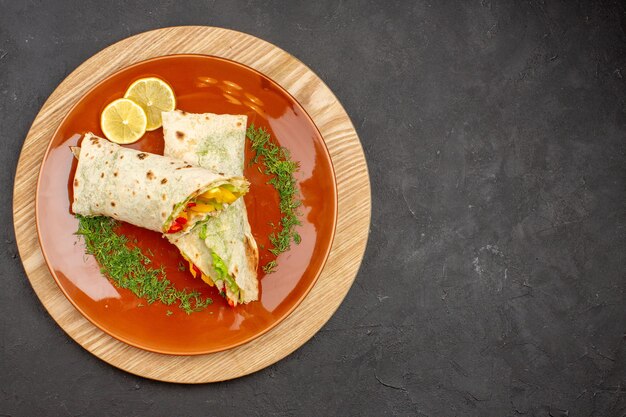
(176, 227)
(181, 220)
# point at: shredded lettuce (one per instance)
(222, 272)
(203, 230)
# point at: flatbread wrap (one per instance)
(150, 191)
(220, 250)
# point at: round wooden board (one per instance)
(353, 187)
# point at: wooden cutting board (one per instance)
(354, 203)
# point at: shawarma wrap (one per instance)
(151, 191)
(220, 250)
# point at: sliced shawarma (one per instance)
(220, 250)
(151, 191)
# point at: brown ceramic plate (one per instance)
(201, 84)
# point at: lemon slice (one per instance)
(123, 121)
(154, 96)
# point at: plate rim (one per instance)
(203, 351)
(353, 223)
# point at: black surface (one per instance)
(493, 283)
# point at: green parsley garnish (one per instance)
(169, 313)
(269, 267)
(181, 266)
(126, 267)
(281, 169)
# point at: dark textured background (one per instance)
(493, 283)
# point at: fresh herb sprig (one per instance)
(126, 266)
(281, 169)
